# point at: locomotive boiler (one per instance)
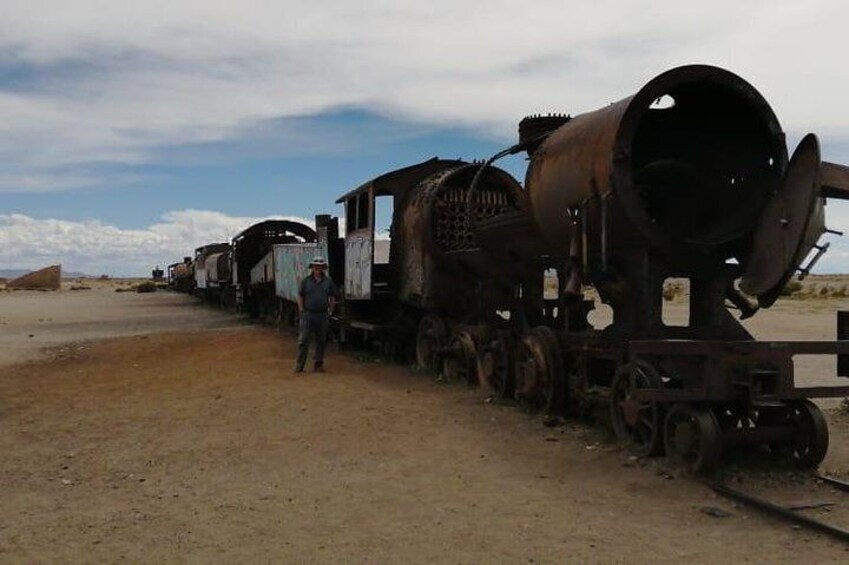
(435, 294)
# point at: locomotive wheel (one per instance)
(461, 363)
(495, 368)
(692, 437)
(637, 423)
(430, 337)
(538, 371)
(810, 435)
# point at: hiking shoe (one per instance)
(318, 369)
(299, 370)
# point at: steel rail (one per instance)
(782, 512)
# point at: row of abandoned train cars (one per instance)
(689, 178)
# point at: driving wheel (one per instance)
(460, 363)
(638, 423)
(495, 366)
(692, 437)
(539, 371)
(430, 338)
(809, 445)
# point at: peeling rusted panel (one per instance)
(359, 249)
(200, 275)
(291, 265)
(263, 271)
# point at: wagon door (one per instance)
(359, 246)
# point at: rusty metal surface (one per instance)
(782, 512)
(358, 265)
(202, 253)
(436, 243)
(263, 271)
(791, 225)
(200, 276)
(718, 370)
(615, 150)
(835, 180)
(255, 242)
(217, 269)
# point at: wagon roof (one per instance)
(401, 180)
(271, 228)
(212, 248)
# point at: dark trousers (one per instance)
(312, 324)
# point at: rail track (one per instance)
(793, 513)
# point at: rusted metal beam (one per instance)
(834, 179)
(837, 483)
(817, 392)
(708, 347)
(781, 512)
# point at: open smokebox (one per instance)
(693, 167)
(706, 166)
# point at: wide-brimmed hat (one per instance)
(318, 261)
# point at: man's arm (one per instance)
(301, 297)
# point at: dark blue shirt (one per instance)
(317, 293)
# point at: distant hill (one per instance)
(15, 273)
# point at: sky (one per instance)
(131, 133)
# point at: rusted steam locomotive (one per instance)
(687, 179)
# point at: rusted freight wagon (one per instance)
(253, 263)
(288, 264)
(181, 275)
(206, 259)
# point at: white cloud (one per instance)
(113, 81)
(96, 248)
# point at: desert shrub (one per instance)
(672, 291)
(792, 287)
(146, 287)
(825, 290)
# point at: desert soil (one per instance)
(189, 439)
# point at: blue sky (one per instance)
(131, 133)
(270, 172)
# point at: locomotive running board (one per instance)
(714, 385)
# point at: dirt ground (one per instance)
(31, 321)
(203, 446)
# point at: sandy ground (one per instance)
(31, 321)
(204, 447)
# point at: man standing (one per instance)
(316, 299)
